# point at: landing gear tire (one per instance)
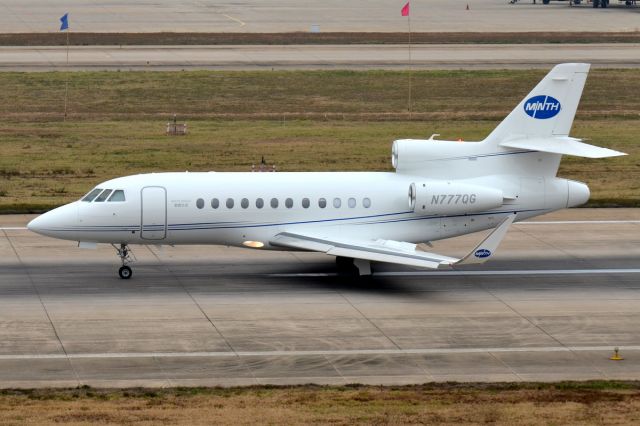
(125, 272)
(126, 256)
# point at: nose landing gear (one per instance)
(125, 272)
(125, 255)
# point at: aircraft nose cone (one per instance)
(45, 223)
(36, 224)
(55, 223)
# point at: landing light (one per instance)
(253, 244)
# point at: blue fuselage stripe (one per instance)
(227, 225)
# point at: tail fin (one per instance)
(550, 107)
(543, 119)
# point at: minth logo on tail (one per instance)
(542, 107)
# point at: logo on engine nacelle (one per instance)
(542, 107)
(482, 253)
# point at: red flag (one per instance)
(405, 10)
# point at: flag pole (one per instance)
(410, 67)
(66, 83)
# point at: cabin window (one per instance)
(337, 203)
(118, 195)
(103, 196)
(215, 203)
(322, 203)
(288, 203)
(229, 203)
(305, 203)
(91, 195)
(274, 203)
(244, 203)
(199, 203)
(352, 203)
(366, 203)
(259, 203)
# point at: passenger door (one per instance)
(154, 213)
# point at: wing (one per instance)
(392, 251)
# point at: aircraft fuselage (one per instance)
(236, 208)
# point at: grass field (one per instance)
(299, 120)
(169, 39)
(589, 403)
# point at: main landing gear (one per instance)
(350, 266)
(125, 255)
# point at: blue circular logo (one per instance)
(482, 253)
(542, 107)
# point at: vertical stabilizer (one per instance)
(548, 110)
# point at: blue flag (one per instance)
(64, 22)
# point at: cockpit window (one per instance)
(103, 196)
(118, 195)
(91, 195)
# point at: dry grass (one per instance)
(81, 39)
(352, 95)
(302, 121)
(501, 404)
(46, 164)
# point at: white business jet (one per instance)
(440, 189)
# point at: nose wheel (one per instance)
(126, 256)
(125, 272)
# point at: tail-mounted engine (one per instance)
(443, 197)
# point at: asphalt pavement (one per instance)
(560, 295)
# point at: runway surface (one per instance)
(559, 296)
(329, 15)
(316, 57)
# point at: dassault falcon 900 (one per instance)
(439, 189)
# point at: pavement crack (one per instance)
(524, 317)
(193, 299)
(373, 324)
(504, 364)
(44, 306)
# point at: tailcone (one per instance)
(578, 193)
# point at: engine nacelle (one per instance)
(451, 197)
(409, 155)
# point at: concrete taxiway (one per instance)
(436, 56)
(328, 15)
(563, 291)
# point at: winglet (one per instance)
(487, 248)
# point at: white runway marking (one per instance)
(14, 228)
(242, 24)
(577, 222)
(476, 273)
(433, 351)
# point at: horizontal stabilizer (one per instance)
(562, 145)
